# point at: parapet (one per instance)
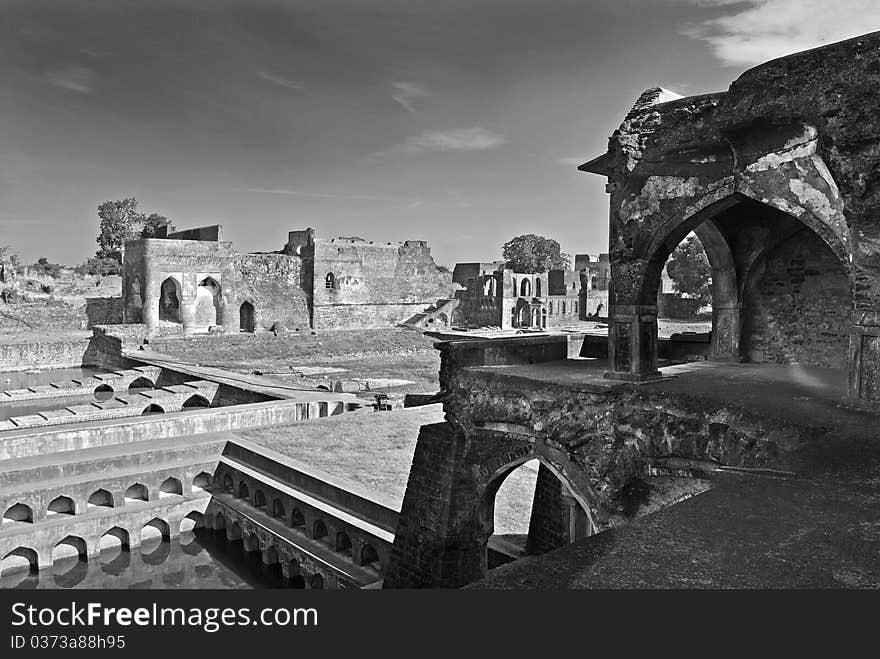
(212, 233)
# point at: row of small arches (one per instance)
(251, 543)
(341, 544)
(65, 505)
(117, 537)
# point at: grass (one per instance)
(376, 451)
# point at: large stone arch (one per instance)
(568, 473)
(633, 333)
(442, 540)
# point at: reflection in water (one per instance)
(193, 560)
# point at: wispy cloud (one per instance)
(22, 221)
(572, 161)
(405, 93)
(461, 139)
(74, 78)
(278, 80)
(325, 195)
(752, 31)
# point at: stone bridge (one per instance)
(117, 382)
(198, 393)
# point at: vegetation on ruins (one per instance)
(689, 269)
(120, 221)
(43, 268)
(9, 263)
(530, 253)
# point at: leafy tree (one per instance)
(43, 267)
(530, 253)
(689, 269)
(153, 223)
(120, 221)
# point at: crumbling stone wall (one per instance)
(372, 285)
(361, 284)
(275, 284)
(799, 310)
(602, 440)
(799, 136)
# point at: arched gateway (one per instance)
(778, 183)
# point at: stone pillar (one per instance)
(548, 524)
(439, 542)
(726, 333)
(188, 314)
(557, 518)
(632, 343)
(223, 313)
(150, 310)
(864, 361)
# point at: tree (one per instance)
(43, 267)
(120, 221)
(153, 223)
(530, 253)
(690, 271)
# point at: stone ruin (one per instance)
(194, 280)
(779, 177)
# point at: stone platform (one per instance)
(815, 528)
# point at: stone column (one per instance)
(150, 310)
(632, 343)
(223, 315)
(864, 361)
(726, 333)
(438, 543)
(188, 314)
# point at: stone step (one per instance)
(211, 454)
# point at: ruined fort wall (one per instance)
(43, 354)
(798, 309)
(277, 285)
(374, 285)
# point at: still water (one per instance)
(203, 559)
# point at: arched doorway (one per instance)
(169, 300)
(783, 296)
(528, 509)
(247, 317)
(207, 302)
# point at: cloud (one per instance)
(74, 78)
(405, 93)
(749, 32)
(573, 161)
(325, 195)
(461, 139)
(278, 80)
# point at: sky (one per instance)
(459, 122)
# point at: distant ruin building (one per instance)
(495, 296)
(194, 280)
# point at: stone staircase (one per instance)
(438, 314)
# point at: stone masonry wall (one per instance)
(389, 282)
(276, 286)
(798, 310)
